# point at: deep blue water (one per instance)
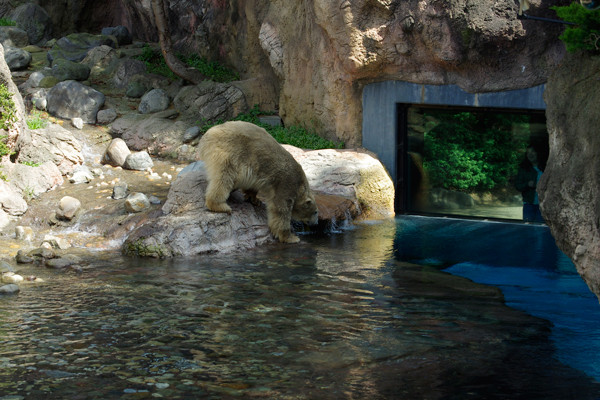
(524, 262)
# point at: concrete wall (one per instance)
(380, 100)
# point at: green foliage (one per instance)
(3, 176)
(4, 149)
(585, 34)
(7, 22)
(31, 163)
(36, 121)
(8, 110)
(155, 63)
(293, 135)
(468, 151)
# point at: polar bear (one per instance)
(241, 155)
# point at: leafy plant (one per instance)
(4, 149)
(31, 163)
(294, 135)
(7, 22)
(468, 151)
(8, 110)
(585, 34)
(155, 63)
(36, 121)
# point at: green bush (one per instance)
(7, 22)
(470, 152)
(35, 121)
(293, 135)
(155, 63)
(8, 110)
(585, 34)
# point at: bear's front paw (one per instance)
(218, 207)
(290, 239)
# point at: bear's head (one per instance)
(305, 209)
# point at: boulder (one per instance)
(121, 33)
(35, 21)
(105, 117)
(52, 143)
(81, 174)
(16, 58)
(352, 174)
(102, 61)
(210, 101)
(188, 228)
(32, 181)
(348, 184)
(11, 201)
(68, 207)
(11, 288)
(70, 99)
(64, 70)
(116, 153)
(75, 47)
(154, 101)
(139, 161)
(137, 202)
(126, 69)
(155, 133)
(11, 36)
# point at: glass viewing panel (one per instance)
(478, 163)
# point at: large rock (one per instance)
(570, 186)
(11, 201)
(16, 58)
(11, 36)
(35, 21)
(352, 174)
(349, 184)
(210, 101)
(71, 99)
(6, 79)
(52, 143)
(75, 47)
(188, 228)
(31, 181)
(64, 70)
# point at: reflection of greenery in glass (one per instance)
(473, 151)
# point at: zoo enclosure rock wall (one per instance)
(316, 55)
(570, 186)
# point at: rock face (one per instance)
(569, 189)
(478, 45)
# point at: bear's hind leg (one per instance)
(280, 219)
(217, 193)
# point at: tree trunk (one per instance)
(166, 46)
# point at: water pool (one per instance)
(341, 316)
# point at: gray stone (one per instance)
(105, 117)
(75, 47)
(11, 200)
(116, 153)
(65, 70)
(81, 174)
(23, 258)
(137, 202)
(68, 207)
(12, 36)
(154, 101)
(23, 233)
(120, 32)
(70, 99)
(30, 182)
(56, 242)
(126, 69)
(34, 79)
(4, 219)
(77, 123)
(210, 101)
(139, 161)
(5, 267)
(191, 134)
(52, 143)
(35, 21)
(120, 191)
(16, 58)
(11, 288)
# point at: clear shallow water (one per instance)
(336, 317)
(523, 261)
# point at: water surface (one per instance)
(338, 316)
